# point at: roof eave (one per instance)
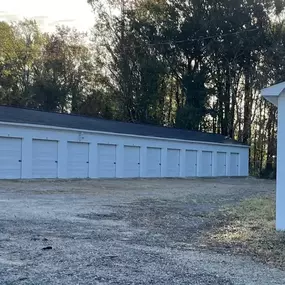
(229, 144)
(272, 99)
(273, 92)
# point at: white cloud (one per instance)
(49, 13)
(9, 17)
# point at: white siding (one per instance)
(221, 164)
(77, 160)
(45, 159)
(153, 162)
(191, 163)
(173, 162)
(234, 164)
(280, 193)
(107, 161)
(131, 161)
(206, 163)
(10, 158)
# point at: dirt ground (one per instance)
(122, 232)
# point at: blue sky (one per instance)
(49, 13)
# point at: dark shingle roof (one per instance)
(27, 116)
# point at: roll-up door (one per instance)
(45, 159)
(131, 161)
(173, 162)
(234, 164)
(77, 160)
(191, 163)
(10, 158)
(106, 161)
(206, 164)
(153, 162)
(221, 164)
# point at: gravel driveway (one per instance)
(121, 232)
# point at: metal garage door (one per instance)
(78, 160)
(234, 164)
(45, 156)
(153, 162)
(221, 164)
(10, 158)
(106, 161)
(206, 164)
(173, 162)
(131, 161)
(191, 163)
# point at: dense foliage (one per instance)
(194, 64)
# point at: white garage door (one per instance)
(78, 160)
(10, 158)
(206, 164)
(191, 163)
(131, 161)
(173, 162)
(221, 164)
(45, 156)
(106, 161)
(153, 162)
(234, 164)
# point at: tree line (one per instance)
(191, 64)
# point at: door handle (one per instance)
(20, 160)
(56, 161)
(87, 161)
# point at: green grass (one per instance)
(249, 229)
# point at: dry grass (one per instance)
(250, 229)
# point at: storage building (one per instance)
(36, 144)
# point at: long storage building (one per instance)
(36, 144)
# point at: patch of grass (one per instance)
(249, 229)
